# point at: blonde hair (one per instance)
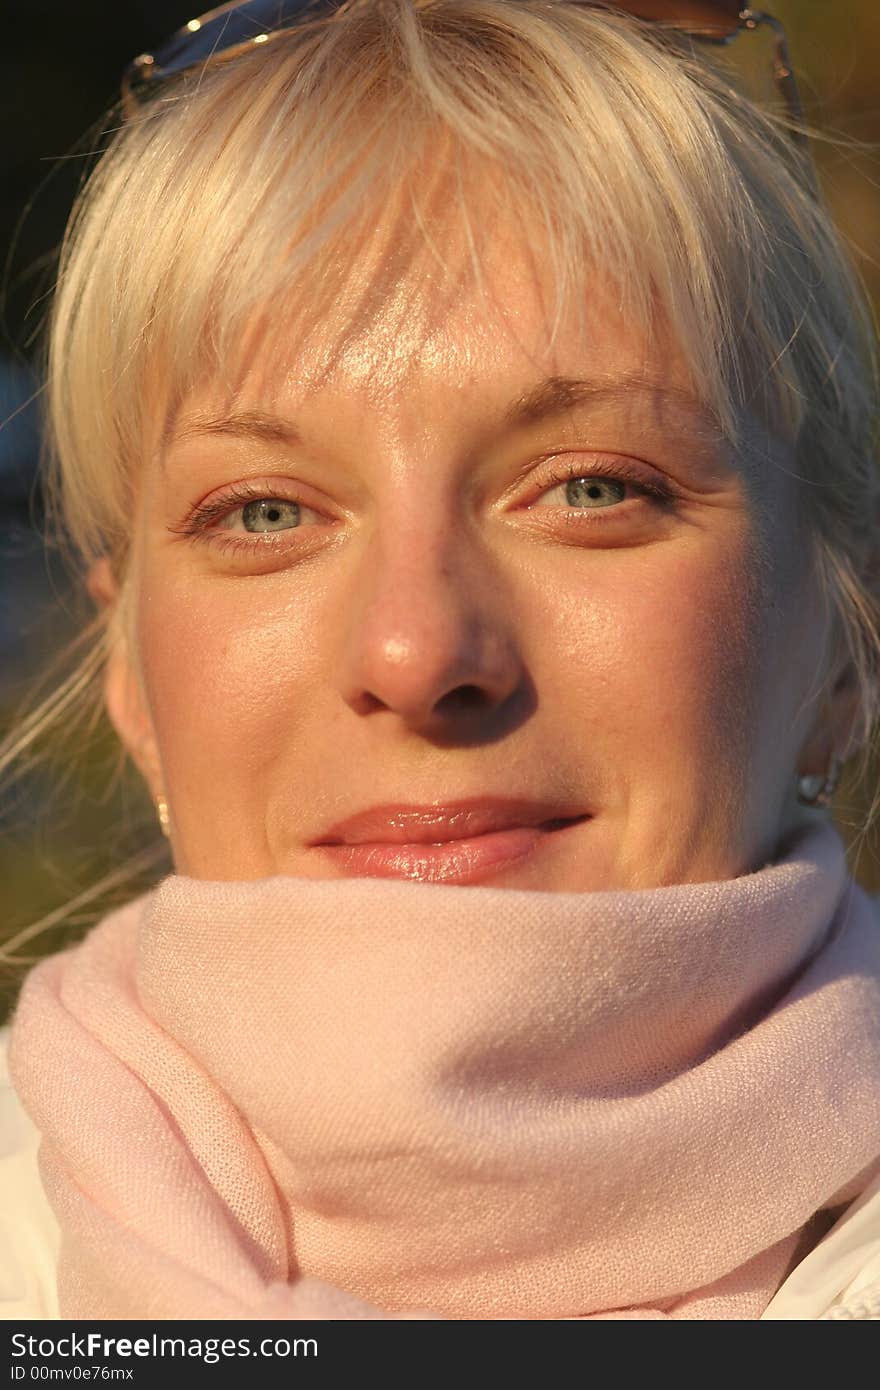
(250, 183)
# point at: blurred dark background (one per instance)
(67, 824)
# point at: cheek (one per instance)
(663, 649)
(226, 664)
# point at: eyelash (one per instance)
(198, 523)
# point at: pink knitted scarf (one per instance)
(369, 1098)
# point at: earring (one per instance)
(163, 814)
(814, 789)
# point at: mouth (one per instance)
(468, 858)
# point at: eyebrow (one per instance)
(242, 424)
(551, 397)
(557, 394)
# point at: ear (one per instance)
(835, 730)
(123, 698)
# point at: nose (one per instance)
(430, 638)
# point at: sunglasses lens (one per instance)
(719, 20)
(229, 27)
(232, 25)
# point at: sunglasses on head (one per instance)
(230, 29)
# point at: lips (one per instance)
(465, 842)
(409, 824)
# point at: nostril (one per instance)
(463, 698)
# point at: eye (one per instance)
(597, 485)
(245, 515)
(591, 491)
(265, 514)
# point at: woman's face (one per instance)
(469, 581)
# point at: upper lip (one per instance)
(398, 823)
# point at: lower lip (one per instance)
(455, 861)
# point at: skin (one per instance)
(446, 622)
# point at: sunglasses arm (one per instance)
(782, 69)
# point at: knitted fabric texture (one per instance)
(369, 1098)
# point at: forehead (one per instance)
(427, 309)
